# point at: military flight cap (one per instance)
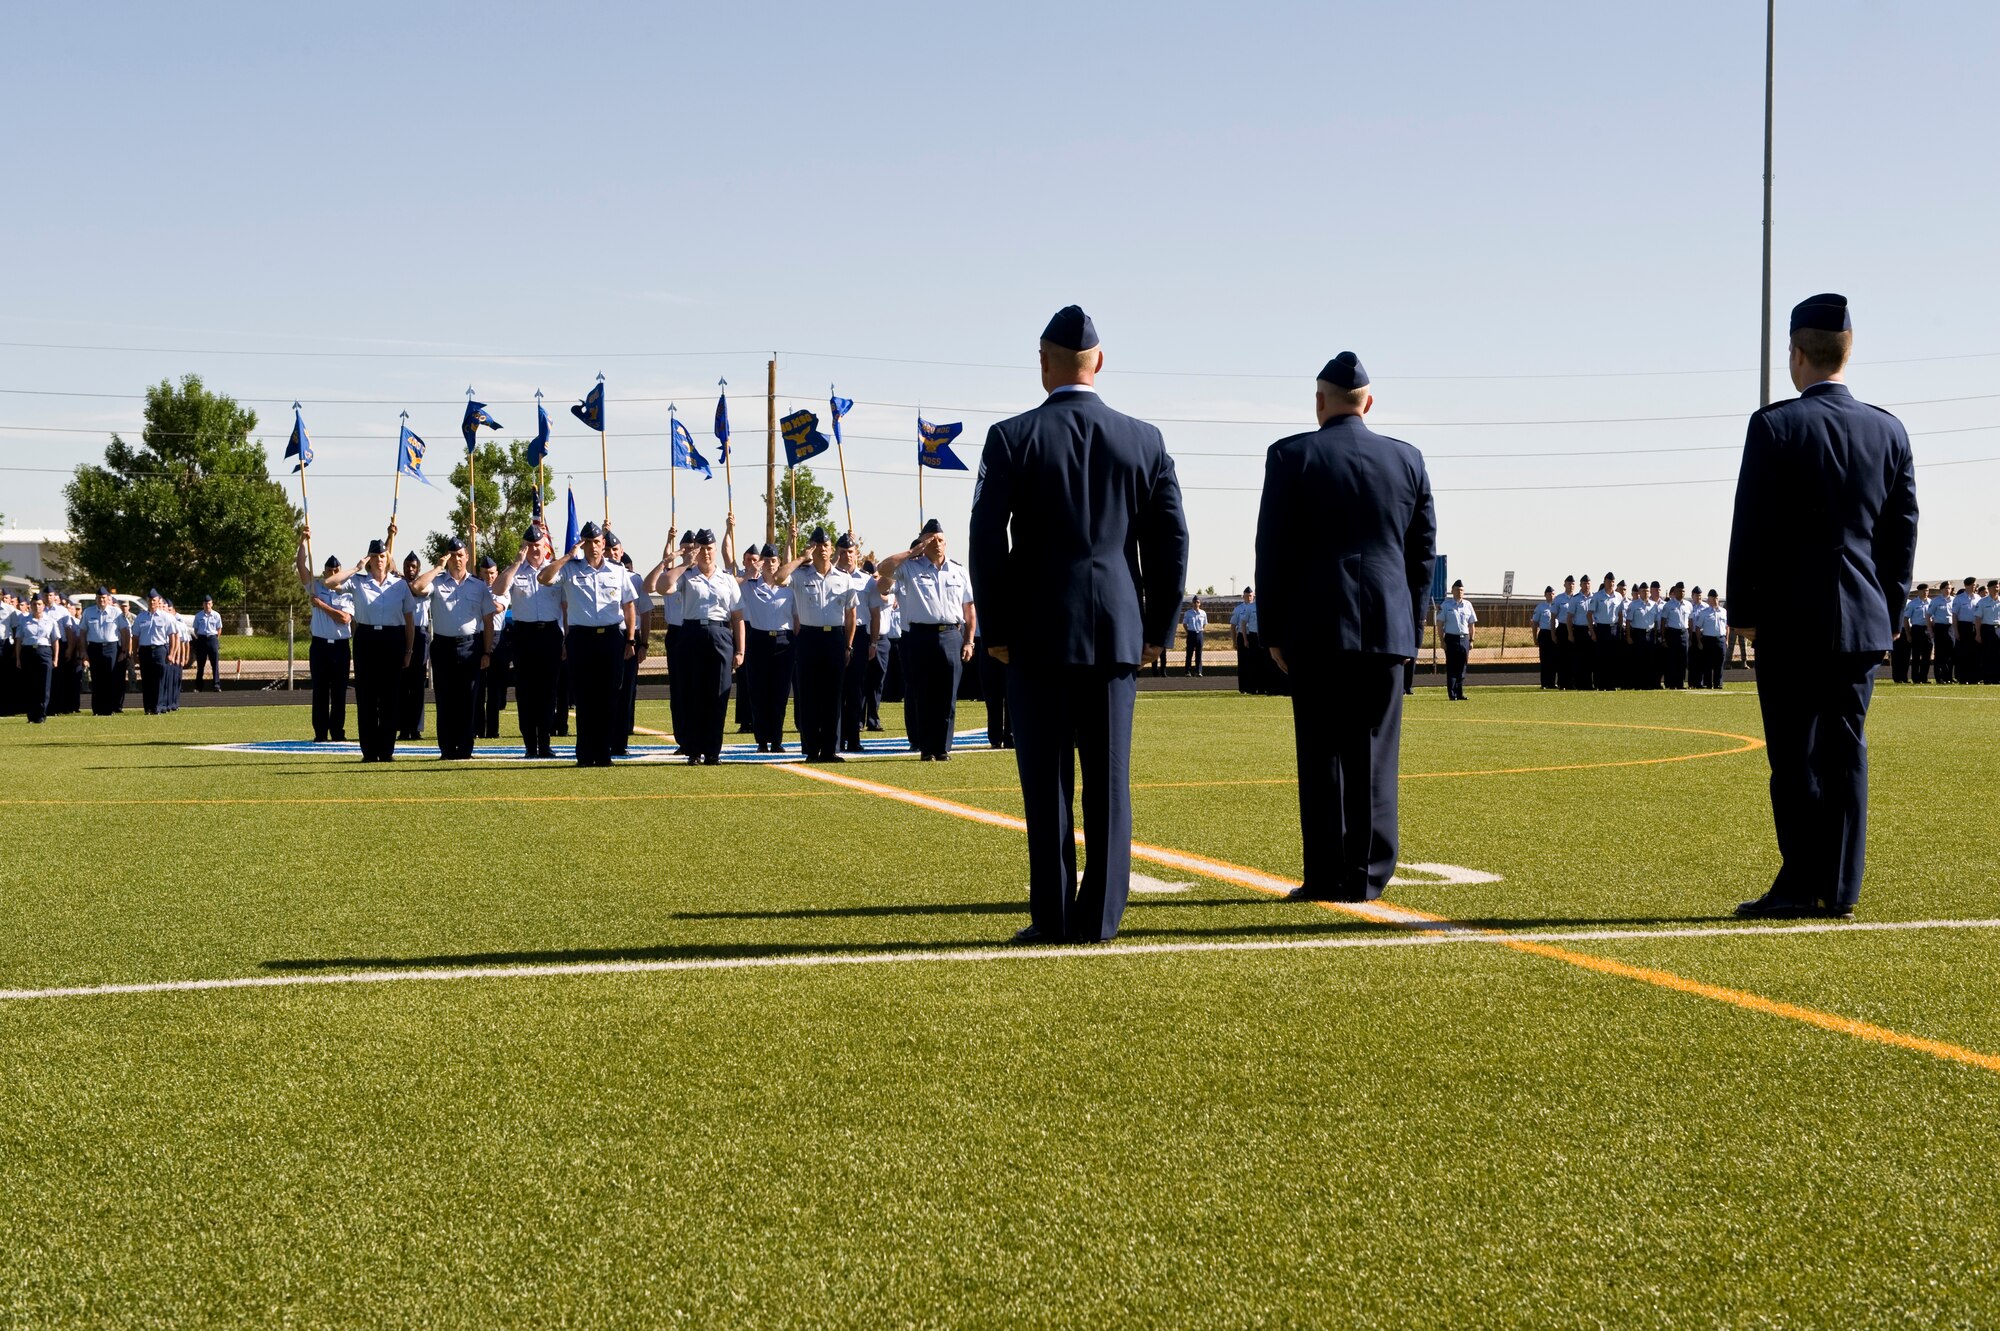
(591, 531)
(688, 537)
(706, 536)
(376, 547)
(486, 561)
(332, 561)
(411, 558)
(106, 591)
(1548, 591)
(610, 538)
(933, 528)
(1072, 329)
(846, 541)
(152, 593)
(451, 547)
(1825, 312)
(818, 537)
(768, 551)
(1344, 371)
(534, 532)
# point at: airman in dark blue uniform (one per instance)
(1820, 555)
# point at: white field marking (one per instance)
(964, 955)
(1243, 876)
(1145, 883)
(1442, 875)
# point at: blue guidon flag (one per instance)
(722, 420)
(299, 445)
(591, 410)
(685, 455)
(934, 445)
(538, 447)
(802, 437)
(475, 416)
(840, 406)
(410, 455)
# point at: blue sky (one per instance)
(1525, 213)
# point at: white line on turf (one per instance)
(963, 955)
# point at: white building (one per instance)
(22, 547)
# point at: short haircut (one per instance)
(1824, 349)
(1353, 397)
(1062, 358)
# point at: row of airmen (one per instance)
(806, 626)
(47, 641)
(1629, 637)
(1952, 637)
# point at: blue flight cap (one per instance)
(846, 541)
(688, 537)
(411, 558)
(206, 599)
(486, 561)
(451, 547)
(610, 539)
(1344, 372)
(1071, 328)
(534, 532)
(768, 551)
(867, 566)
(818, 537)
(590, 532)
(706, 536)
(332, 562)
(152, 593)
(933, 528)
(104, 591)
(376, 547)
(1825, 312)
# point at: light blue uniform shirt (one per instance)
(1642, 615)
(1544, 616)
(1674, 613)
(1456, 618)
(1987, 611)
(1604, 607)
(32, 632)
(1941, 610)
(382, 604)
(822, 600)
(595, 597)
(1243, 619)
(207, 624)
(152, 630)
(932, 593)
(1961, 608)
(1718, 621)
(459, 607)
(528, 601)
(708, 600)
(766, 609)
(1916, 611)
(325, 626)
(100, 625)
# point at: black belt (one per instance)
(533, 624)
(455, 637)
(821, 628)
(380, 628)
(935, 628)
(770, 633)
(596, 628)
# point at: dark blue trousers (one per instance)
(707, 666)
(455, 679)
(596, 659)
(1815, 707)
(820, 662)
(208, 652)
(378, 688)
(107, 680)
(1457, 652)
(1347, 723)
(37, 671)
(152, 673)
(931, 667)
(1063, 717)
(537, 649)
(854, 689)
(767, 669)
(327, 660)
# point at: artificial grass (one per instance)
(1444, 1135)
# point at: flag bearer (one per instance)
(823, 600)
(461, 611)
(598, 604)
(712, 644)
(935, 595)
(535, 640)
(385, 641)
(328, 658)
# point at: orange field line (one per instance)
(444, 799)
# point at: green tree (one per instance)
(506, 495)
(190, 509)
(814, 506)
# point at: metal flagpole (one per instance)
(604, 452)
(396, 499)
(840, 451)
(1770, 68)
(728, 479)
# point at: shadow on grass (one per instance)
(928, 908)
(1583, 922)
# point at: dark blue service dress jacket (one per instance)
(1825, 532)
(1346, 538)
(1078, 548)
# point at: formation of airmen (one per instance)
(1630, 636)
(1953, 637)
(812, 632)
(54, 652)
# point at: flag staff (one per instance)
(673, 472)
(792, 520)
(920, 464)
(728, 480)
(771, 449)
(305, 504)
(471, 492)
(1770, 66)
(604, 453)
(396, 498)
(541, 466)
(840, 452)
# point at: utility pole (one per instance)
(1770, 67)
(771, 452)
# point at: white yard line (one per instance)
(960, 956)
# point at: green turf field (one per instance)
(1389, 1134)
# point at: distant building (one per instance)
(25, 547)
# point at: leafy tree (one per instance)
(190, 509)
(506, 495)
(814, 506)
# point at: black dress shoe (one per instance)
(1304, 893)
(1768, 907)
(1835, 910)
(944, 757)
(833, 758)
(1031, 935)
(927, 757)
(713, 760)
